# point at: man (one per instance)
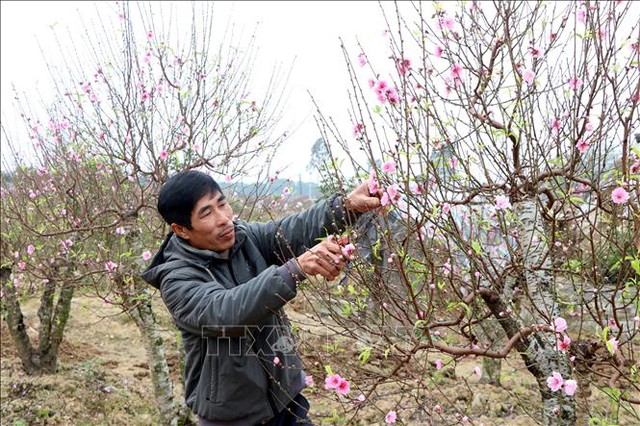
(225, 283)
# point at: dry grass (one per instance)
(103, 379)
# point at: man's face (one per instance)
(211, 224)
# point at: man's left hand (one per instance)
(360, 200)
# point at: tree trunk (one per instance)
(59, 320)
(145, 319)
(558, 409)
(490, 332)
(44, 359)
(138, 302)
(185, 415)
(491, 369)
(15, 320)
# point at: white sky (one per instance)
(306, 30)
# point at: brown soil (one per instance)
(103, 379)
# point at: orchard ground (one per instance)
(103, 379)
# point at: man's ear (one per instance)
(180, 230)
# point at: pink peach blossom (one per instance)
(332, 381)
(308, 380)
(528, 76)
(392, 96)
(575, 83)
(439, 364)
(343, 387)
(404, 65)
(563, 344)
(454, 162)
(559, 325)
(373, 183)
(391, 417)
(385, 93)
(570, 387)
(389, 167)
(620, 195)
(348, 251)
(582, 145)
(393, 192)
(362, 59)
(502, 202)
(146, 255)
(555, 381)
(456, 71)
(446, 22)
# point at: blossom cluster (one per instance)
(337, 383)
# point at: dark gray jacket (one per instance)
(229, 310)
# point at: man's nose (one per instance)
(221, 218)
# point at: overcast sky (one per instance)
(308, 31)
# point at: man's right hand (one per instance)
(324, 259)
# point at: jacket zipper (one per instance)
(272, 403)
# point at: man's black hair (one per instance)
(179, 195)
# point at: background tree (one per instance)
(502, 135)
(321, 162)
(136, 99)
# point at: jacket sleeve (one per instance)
(206, 307)
(291, 236)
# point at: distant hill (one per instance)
(298, 188)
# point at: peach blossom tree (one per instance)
(502, 137)
(136, 98)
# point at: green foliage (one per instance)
(601, 421)
(634, 262)
(477, 248)
(365, 354)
